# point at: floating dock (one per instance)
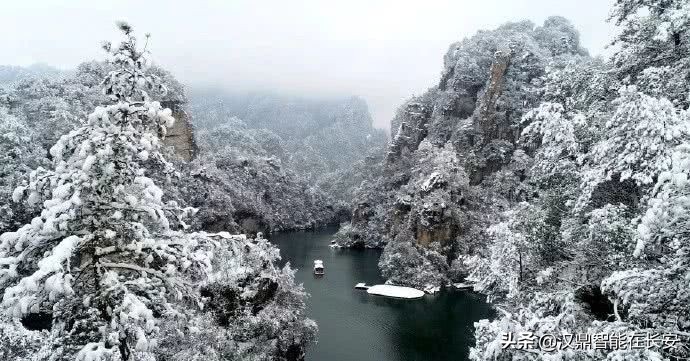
(361, 286)
(395, 291)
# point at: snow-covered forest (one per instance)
(554, 181)
(104, 256)
(134, 209)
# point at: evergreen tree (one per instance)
(653, 47)
(102, 258)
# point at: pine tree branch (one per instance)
(133, 268)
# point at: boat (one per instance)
(334, 244)
(395, 291)
(361, 286)
(318, 267)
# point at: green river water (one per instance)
(354, 326)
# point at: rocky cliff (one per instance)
(323, 140)
(181, 135)
(453, 161)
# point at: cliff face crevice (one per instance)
(485, 112)
(180, 137)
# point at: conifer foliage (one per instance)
(101, 257)
(107, 262)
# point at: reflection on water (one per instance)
(354, 326)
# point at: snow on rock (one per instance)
(94, 351)
(227, 235)
(463, 285)
(88, 163)
(434, 179)
(395, 291)
(17, 194)
(430, 289)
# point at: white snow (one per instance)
(143, 155)
(88, 163)
(61, 253)
(62, 191)
(57, 149)
(33, 199)
(94, 351)
(395, 291)
(17, 295)
(224, 235)
(430, 289)
(430, 182)
(463, 285)
(146, 144)
(18, 194)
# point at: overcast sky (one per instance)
(384, 51)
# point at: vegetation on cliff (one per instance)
(556, 182)
(107, 268)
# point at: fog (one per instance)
(383, 51)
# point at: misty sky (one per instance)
(384, 51)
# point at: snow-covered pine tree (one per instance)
(653, 47)
(102, 259)
(640, 137)
(652, 295)
(17, 156)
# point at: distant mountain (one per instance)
(11, 73)
(318, 137)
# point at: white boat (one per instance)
(395, 291)
(318, 267)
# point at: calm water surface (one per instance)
(354, 326)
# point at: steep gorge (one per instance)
(266, 162)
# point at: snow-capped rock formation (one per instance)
(451, 146)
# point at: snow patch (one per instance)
(434, 179)
(18, 194)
